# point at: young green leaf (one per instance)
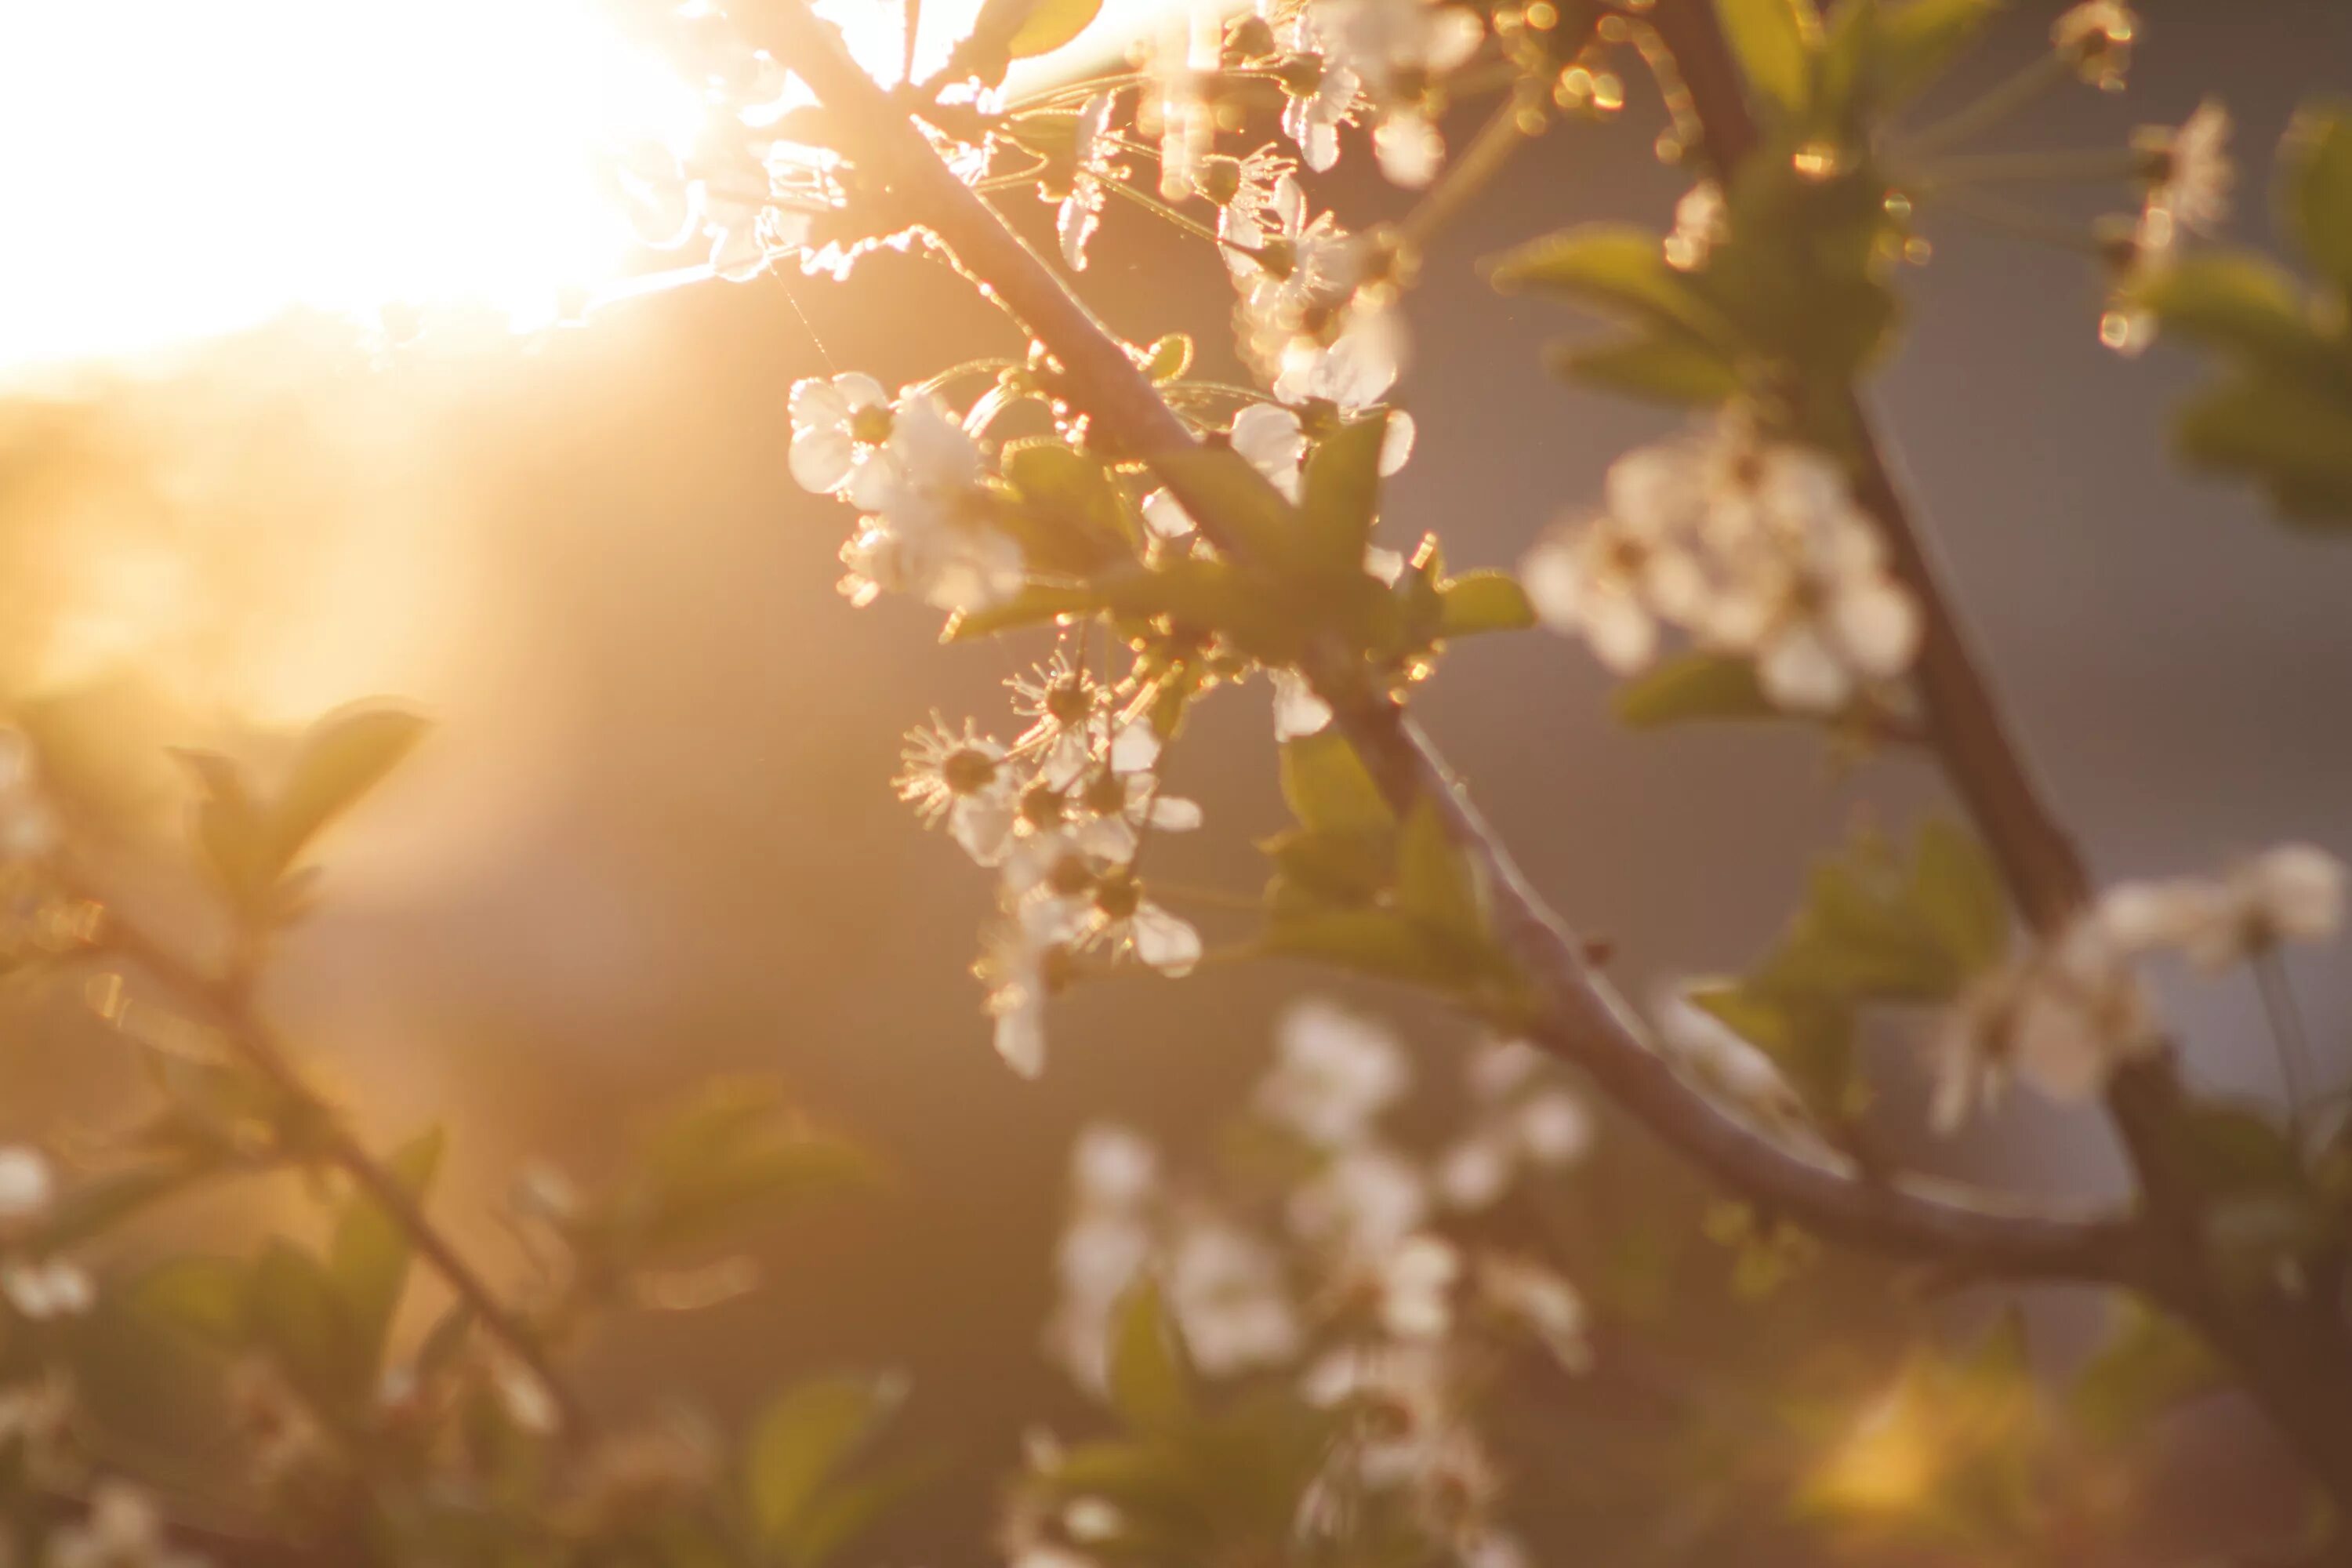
(1342, 493)
(804, 1437)
(1329, 789)
(297, 1314)
(205, 1296)
(1436, 887)
(341, 759)
(1693, 686)
(1149, 1384)
(1482, 602)
(2150, 1364)
(1661, 367)
(1051, 24)
(1955, 886)
(1774, 41)
(1917, 40)
(1619, 271)
(2319, 151)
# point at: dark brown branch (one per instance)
(1580, 1019)
(2291, 1348)
(252, 1039)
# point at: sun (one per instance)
(174, 171)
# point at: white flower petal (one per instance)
(1162, 940)
(1396, 442)
(821, 459)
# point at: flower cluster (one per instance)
(1343, 1280)
(2065, 1013)
(910, 465)
(1061, 814)
(1753, 548)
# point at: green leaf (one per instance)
(1620, 270)
(841, 1513)
(205, 1296)
(2233, 301)
(233, 833)
(1693, 686)
(1680, 370)
(1071, 518)
(1860, 934)
(1222, 492)
(1918, 41)
(1345, 869)
(1436, 886)
(1485, 601)
(1329, 789)
(341, 759)
(1371, 942)
(2288, 436)
(1342, 491)
(1955, 886)
(1773, 41)
(1051, 24)
(369, 1255)
(1808, 1038)
(804, 1437)
(297, 1313)
(2319, 164)
(2148, 1364)
(1151, 1387)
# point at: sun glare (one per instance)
(174, 171)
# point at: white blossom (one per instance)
(2064, 1016)
(123, 1529)
(1416, 1287)
(1364, 1201)
(964, 778)
(1227, 1294)
(2294, 892)
(1334, 1073)
(1518, 1122)
(1121, 918)
(1535, 1298)
(1081, 211)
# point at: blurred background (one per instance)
(652, 835)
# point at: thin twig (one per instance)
(251, 1037)
(2292, 1349)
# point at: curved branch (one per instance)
(2290, 1344)
(251, 1037)
(1580, 1018)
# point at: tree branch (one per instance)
(2290, 1348)
(1580, 1019)
(252, 1039)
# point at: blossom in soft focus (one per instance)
(2062, 1015)
(1334, 1073)
(841, 434)
(123, 1530)
(1521, 1120)
(1228, 1292)
(1753, 548)
(2292, 893)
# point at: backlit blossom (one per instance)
(1016, 965)
(1320, 95)
(1416, 1287)
(1081, 211)
(841, 434)
(961, 777)
(1243, 191)
(1400, 50)
(1122, 918)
